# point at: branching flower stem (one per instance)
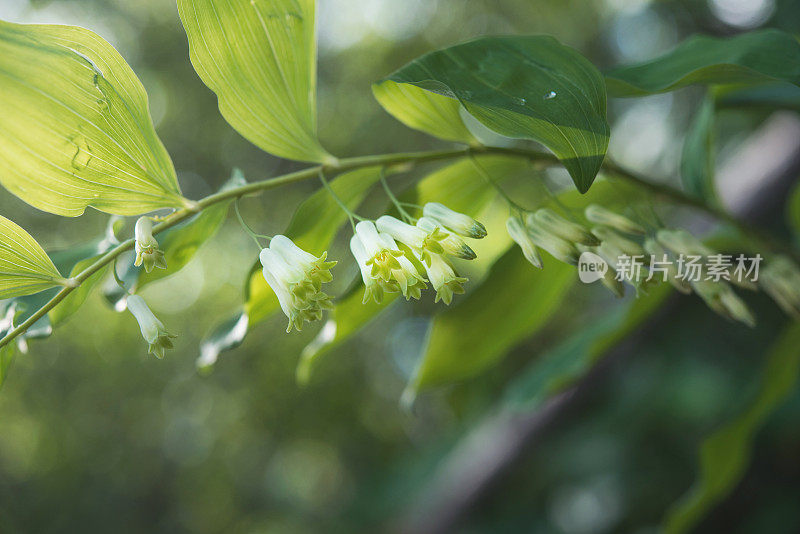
(657, 190)
(397, 204)
(350, 213)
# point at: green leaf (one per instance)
(75, 127)
(461, 186)
(697, 160)
(524, 87)
(74, 300)
(793, 214)
(423, 110)
(312, 228)
(725, 454)
(752, 57)
(260, 58)
(771, 95)
(560, 367)
(25, 267)
(515, 301)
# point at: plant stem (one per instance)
(397, 204)
(383, 160)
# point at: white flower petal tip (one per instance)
(146, 246)
(153, 330)
(384, 267)
(450, 242)
(519, 233)
(296, 277)
(461, 224)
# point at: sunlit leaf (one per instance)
(75, 126)
(559, 368)
(25, 267)
(725, 454)
(525, 87)
(260, 58)
(697, 160)
(752, 57)
(423, 110)
(513, 303)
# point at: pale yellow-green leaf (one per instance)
(25, 268)
(260, 58)
(423, 110)
(75, 127)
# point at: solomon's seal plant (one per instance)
(76, 133)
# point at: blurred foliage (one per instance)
(96, 433)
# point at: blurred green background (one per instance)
(95, 436)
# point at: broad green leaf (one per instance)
(260, 58)
(463, 189)
(697, 160)
(423, 110)
(75, 126)
(752, 57)
(524, 87)
(313, 227)
(772, 95)
(559, 368)
(725, 454)
(25, 267)
(515, 301)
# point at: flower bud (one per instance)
(519, 233)
(600, 215)
(559, 248)
(146, 246)
(658, 254)
(721, 298)
(153, 330)
(558, 225)
(624, 245)
(452, 244)
(421, 242)
(780, 279)
(682, 242)
(463, 225)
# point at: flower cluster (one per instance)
(296, 277)
(613, 237)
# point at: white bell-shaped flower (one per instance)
(296, 278)
(452, 244)
(146, 246)
(519, 233)
(153, 330)
(418, 240)
(387, 262)
(443, 279)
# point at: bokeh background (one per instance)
(95, 436)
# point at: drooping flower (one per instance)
(605, 217)
(568, 230)
(452, 243)
(422, 243)
(374, 287)
(659, 257)
(387, 262)
(682, 242)
(296, 277)
(519, 233)
(146, 246)
(153, 330)
(720, 297)
(461, 224)
(443, 279)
